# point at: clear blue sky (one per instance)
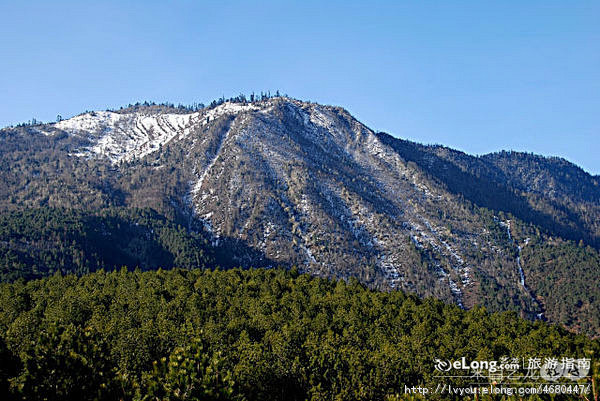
(479, 76)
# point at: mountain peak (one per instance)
(285, 182)
(136, 132)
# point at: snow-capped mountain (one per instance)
(285, 182)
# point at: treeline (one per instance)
(197, 106)
(254, 335)
(241, 98)
(183, 108)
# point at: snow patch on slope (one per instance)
(126, 136)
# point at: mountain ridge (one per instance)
(149, 108)
(298, 183)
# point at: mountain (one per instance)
(291, 183)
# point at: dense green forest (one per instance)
(243, 334)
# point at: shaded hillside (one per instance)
(548, 192)
(40, 242)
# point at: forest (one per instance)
(258, 334)
(39, 242)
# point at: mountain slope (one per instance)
(285, 182)
(39, 242)
(549, 192)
